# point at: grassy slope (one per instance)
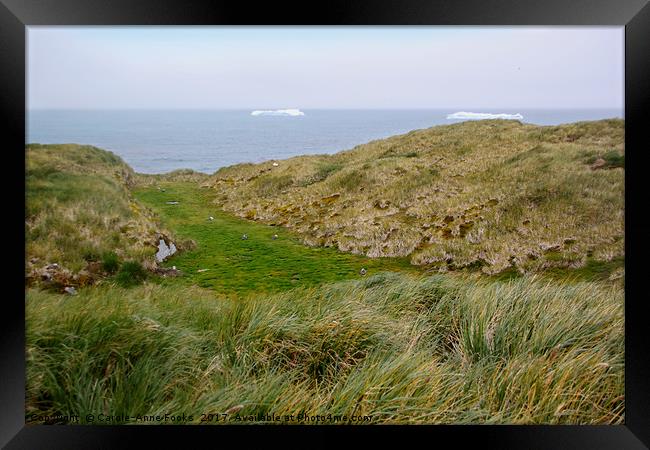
(258, 264)
(489, 194)
(403, 348)
(79, 207)
(398, 348)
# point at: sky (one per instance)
(324, 67)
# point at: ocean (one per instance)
(159, 141)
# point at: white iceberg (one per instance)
(278, 112)
(463, 115)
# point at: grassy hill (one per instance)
(496, 195)
(81, 216)
(267, 325)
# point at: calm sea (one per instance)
(161, 141)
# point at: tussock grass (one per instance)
(79, 209)
(492, 194)
(110, 262)
(131, 273)
(399, 348)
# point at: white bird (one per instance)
(210, 218)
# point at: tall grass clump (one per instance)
(110, 262)
(612, 158)
(131, 273)
(325, 170)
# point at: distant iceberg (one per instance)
(481, 116)
(278, 112)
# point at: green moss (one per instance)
(233, 266)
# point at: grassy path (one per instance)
(231, 265)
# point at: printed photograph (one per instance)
(324, 225)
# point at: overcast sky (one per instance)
(325, 67)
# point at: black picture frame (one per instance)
(634, 15)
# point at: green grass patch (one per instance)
(511, 273)
(110, 262)
(326, 170)
(223, 261)
(351, 181)
(270, 185)
(614, 159)
(131, 273)
(323, 171)
(593, 270)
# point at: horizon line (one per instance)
(459, 108)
